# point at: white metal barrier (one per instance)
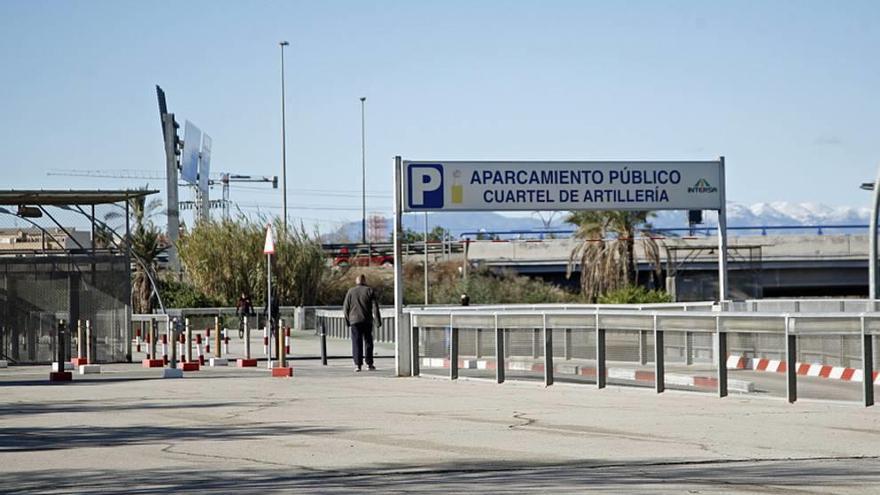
(649, 324)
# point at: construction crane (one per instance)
(223, 179)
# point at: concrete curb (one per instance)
(803, 369)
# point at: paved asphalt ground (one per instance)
(330, 430)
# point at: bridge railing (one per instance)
(617, 346)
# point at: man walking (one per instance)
(361, 311)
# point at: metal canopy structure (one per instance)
(44, 197)
(62, 274)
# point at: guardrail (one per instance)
(330, 321)
(601, 324)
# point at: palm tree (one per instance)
(146, 246)
(606, 251)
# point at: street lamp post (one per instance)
(282, 44)
(872, 237)
(363, 174)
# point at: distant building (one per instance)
(50, 239)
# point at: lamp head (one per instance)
(284, 43)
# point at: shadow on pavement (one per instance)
(24, 439)
(832, 475)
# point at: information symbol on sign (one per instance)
(269, 247)
(425, 185)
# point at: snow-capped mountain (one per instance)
(778, 213)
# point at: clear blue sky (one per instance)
(789, 92)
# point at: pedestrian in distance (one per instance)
(243, 308)
(361, 312)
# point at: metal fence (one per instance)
(331, 323)
(536, 340)
(36, 292)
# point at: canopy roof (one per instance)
(70, 197)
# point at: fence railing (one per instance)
(331, 323)
(631, 335)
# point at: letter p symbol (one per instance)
(425, 185)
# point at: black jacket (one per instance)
(361, 306)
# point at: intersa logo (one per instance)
(702, 186)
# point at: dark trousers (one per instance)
(362, 342)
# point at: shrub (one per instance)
(635, 294)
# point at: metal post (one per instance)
(247, 339)
(172, 363)
(453, 353)
(535, 337)
(217, 350)
(364, 177)
(659, 371)
(478, 338)
(402, 348)
(689, 348)
(187, 344)
(643, 347)
(282, 350)
(791, 361)
(721, 357)
(154, 334)
(90, 351)
(414, 332)
(282, 44)
(59, 346)
(499, 352)
(722, 235)
(80, 340)
(601, 370)
(872, 242)
(172, 211)
(323, 328)
(426, 258)
(548, 354)
(867, 366)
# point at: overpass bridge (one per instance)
(775, 265)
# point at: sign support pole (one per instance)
(268, 250)
(402, 347)
(722, 235)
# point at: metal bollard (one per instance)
(188, 341)
(217, 352)
(90, 357)
(247, 339)
(453, 354)
(80, 339)
(154, 333)
(499, 352)
(323, 342)
(59, 345)
(172, 363)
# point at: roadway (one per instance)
(328, 430)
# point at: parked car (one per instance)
(345, 259)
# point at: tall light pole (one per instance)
(282, 44)
(363, 174)
(872, 237)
